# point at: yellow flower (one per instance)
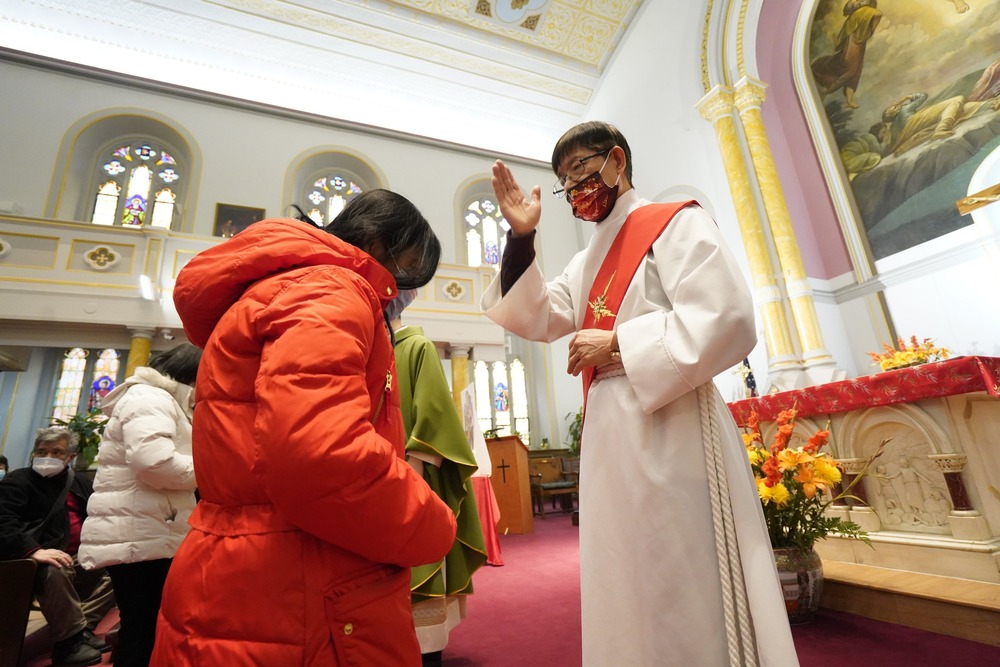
(756, 456)
(777, 494)
(827, 470)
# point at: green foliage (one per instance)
(575, 431)
(89, 426)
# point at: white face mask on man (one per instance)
(47, 467)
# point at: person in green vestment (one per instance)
(437, 447)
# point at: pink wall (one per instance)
(813, 215)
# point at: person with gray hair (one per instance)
(42, 508)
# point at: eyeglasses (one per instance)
(576, 172)
(403, 273)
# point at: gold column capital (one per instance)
(717, 103)
(750, 93)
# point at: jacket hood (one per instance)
(216, 278)
(180, 392)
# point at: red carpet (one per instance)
(527, 614)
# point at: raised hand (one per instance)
(522, 214)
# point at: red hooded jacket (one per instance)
(309, 516)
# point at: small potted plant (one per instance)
(575, 431)
(89, 426)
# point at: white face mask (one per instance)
(2, 473)
(47, 467)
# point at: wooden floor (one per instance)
(948, 605)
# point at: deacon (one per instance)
(676, 566)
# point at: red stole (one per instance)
(641, 228)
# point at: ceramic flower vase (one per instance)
(801, 575)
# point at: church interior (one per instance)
(855, 188)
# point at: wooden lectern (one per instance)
(511, 485)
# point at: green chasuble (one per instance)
(433, 427)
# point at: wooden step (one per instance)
(947, 605)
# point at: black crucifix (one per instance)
(503, 470)
(982, 198)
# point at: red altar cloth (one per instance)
(960, 375)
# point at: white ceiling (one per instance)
(436, 68)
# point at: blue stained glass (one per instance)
(169, 175)
(316, 197)
(145, 152)
(165, 158)
(114, 167)
(338, 183)
(355, 190)
(100, 388)
(492, 253)
(500, 397)
(123, 152)
(321, 183)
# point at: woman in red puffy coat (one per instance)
(309, 516)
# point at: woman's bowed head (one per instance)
(391, 229)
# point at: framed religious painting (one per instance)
(230, 219)
(910, 94)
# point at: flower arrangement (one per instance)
(907, 355)
(797, 484)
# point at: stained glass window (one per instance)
(98, 369)
(70, 386)
(485, 232)
(138, 169)
(103, 376)
(501, 398)
(163, 211)
(330, 194)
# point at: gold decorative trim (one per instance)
(128, 248)
(453, 290)
(706, 82)
(740, 26)
(41, 281)
(102, 258)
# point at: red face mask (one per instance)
(592, 199)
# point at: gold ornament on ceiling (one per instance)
(582, 31)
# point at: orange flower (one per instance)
(771, 470)
(817, 441)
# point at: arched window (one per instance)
(127, 170)
(323, 183)
(98, 369)
(501, 398)
(485, 231)
(136, 186)
(330, 194)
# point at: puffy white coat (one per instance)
(144, 490)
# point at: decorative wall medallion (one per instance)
(101, 258)
(453, 290)
(4, 248)
(523, 13)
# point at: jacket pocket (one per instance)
(370, 619)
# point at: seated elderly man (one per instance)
(41, 511)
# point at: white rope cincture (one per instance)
(739, 629)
